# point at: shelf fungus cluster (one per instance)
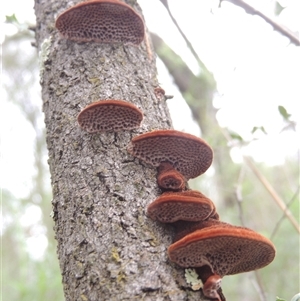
(202, 242)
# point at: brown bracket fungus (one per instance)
(211, 287)
(188, 154)
(183, 228)
(211, 283)
(185, 206)
(103, 21)
(109, 115)
(224, 250)
(169, 179)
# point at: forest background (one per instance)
(235, 81)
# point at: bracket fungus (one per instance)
(168, 178)
(226, 249)
(188, 154)
(109, 115)
(211, 283)
(103, 21)
(211, 287)
(188, 205)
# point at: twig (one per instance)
(273, 193)
(283, 216)
(189, 44)
(239, 196)
(280, 28)
(238, 192)
(258, 285)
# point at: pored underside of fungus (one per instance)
(186, 206)
(227, 250)
(188, 154)
(109, 115)
(102, 21)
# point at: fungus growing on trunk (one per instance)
(109, 115)
(222, 249)
(211, 283)
(226, 249)
(170, 149)
(103, 21)
(168, 178)
(211, 287)
(188, 205)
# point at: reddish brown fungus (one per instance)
(103, 21)
(159, 93)
(211, 283)
(186, 206)
(183, 228)
(169, 179)
(211, 287)
(188, 154)
(109, 115)
(226, 249)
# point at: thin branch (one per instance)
(293, 37)
(283, 216)
(189, 44)
(273, 193)
(239, 196)
(258, 286)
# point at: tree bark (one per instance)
(107, 248)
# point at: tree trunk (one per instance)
(107, 248)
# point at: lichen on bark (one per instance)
(108, 249)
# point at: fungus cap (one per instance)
(169, 178)
(103, 21)
(109, 115)
(188, 154)
(211, 287)
(225, 248)
(187, 206)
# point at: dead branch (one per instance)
(293, 37)
(273, 193)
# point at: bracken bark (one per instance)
(108, 249)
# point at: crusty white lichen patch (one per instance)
(44, 54)
(192, 279)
